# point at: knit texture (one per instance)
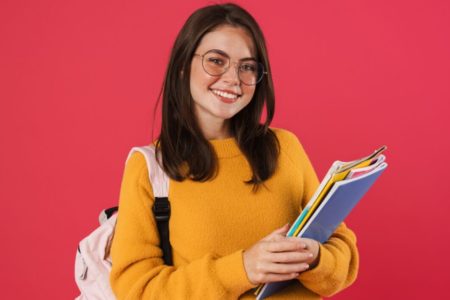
(213, 222)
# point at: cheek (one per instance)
(249, 92)
(199, 80)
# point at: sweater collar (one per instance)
(226, 147)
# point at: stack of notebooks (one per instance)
(341, 189)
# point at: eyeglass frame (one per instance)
(229, 65)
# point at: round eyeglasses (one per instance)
(216, 63)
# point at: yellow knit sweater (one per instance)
(212, 223)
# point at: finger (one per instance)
(284, 268)
(284, 245)
(310, 244)
(302, 242)
(278, 233)
(290, 257)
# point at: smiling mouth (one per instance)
(226, 95)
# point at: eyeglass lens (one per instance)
(250, 71)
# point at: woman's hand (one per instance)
(279, 258)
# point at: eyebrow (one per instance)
(226, 54)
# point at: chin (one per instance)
(226, 115)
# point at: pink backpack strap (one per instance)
(158, 178)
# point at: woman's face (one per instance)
(219, 98)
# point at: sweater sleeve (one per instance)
(138, 270)
(338, 257)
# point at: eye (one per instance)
(216, 60)
(249, 67)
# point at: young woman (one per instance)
(234, 183)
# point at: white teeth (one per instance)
(225, 94)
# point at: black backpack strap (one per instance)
(106, 214)
(161, 210)
(161, 206)
(110, 211)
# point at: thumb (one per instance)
(282, 230)
(278, 233)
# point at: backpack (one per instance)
(93, 262)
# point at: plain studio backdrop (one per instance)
(79, 80)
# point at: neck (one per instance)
(216, 133)
(215, 130)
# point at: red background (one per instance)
(79, 79)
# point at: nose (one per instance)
(231, 75)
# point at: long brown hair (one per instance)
(185, 151)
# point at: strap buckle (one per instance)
(161, 209)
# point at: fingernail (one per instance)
(310, 255)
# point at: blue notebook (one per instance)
(335, 207)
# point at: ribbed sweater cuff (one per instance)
(231, 272)
(324, 268)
